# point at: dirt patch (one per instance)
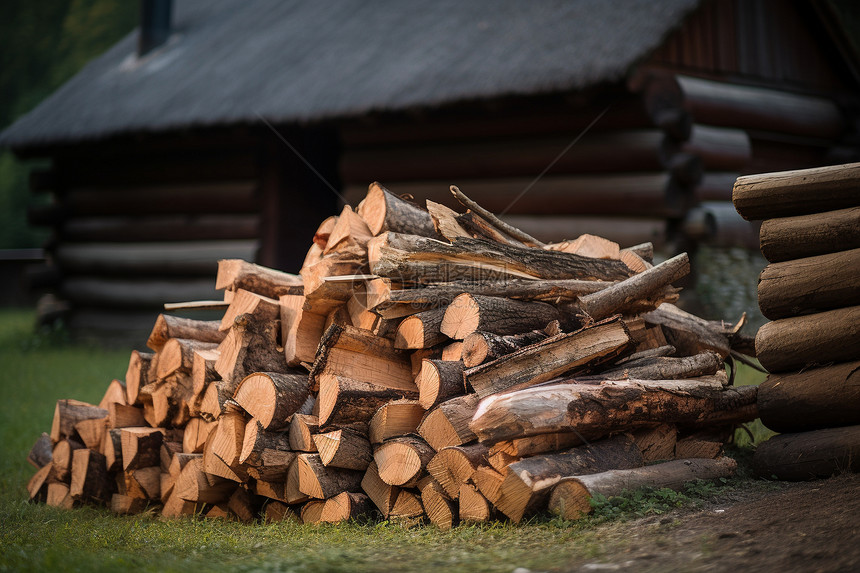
(811, 526)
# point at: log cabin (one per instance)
(230, 129)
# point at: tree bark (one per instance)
(67, 413)
(235, 274)
(345, 400)
(571, 497)
(421, 330)
(809, 455)
(168, 326)
(90, 480)
(794, 343)
(344, 507)
(272, 397)
(469, 313)
(528, 483)
(801, 236)
(438, 381)
(812, 284)
(599, 409)
(384, 211)
(401, 461)
(137, 375)
(663, 368)
(813, 399)
(344, 449)
(480, 347)
(448, 423)
(321, 482)
(549, 358)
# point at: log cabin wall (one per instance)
(136, 224)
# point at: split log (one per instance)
(268, 452)
(235, 274)
(175, 506)
(825, 397)
(688, 333)
(195, 485)
(169, 402)
(705, 444)
(302, 428)
(794, 343)
(41, 454)
(37, 486)
(812, 284)
(421, 260)
(137, 375)
(407, 510)
(312, 511)
(112, 450)
(453, 351)
(272, 397)
(115, 394)
(438, 381)
(645, 286)
(344, 400)
(445, 221)
(454, 465)
(596, 410)
(61, 457)
(349, 230)
(480, 347)
(354, 353)
(528, 483)
(401, 461)
(177, 355)
(67, 413)
(657, 443)
(808, 235)
(168, 326)
(809, 455)
(250, 346)
(92, 431)
(203, 370)
(321, 482)
(489, 482)
(291, 493)
(441, 510)
(382, 494)
(395, 418)
(550, 358)
(384, 211)
(474, 507)
(260, 307)
(275, 511)
(571, 497)
(448, 423)
(90, 480)
(143, 483)
(301, 330)
(344, 449)
(421, 330)
(345, 506)
(799, 192)
(538, 444)
(125, 505)
(330, 282)
(226, 442)
(141, 447)
(469, 313)
(121, 416)
(589, 245)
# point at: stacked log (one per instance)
(423, 365)
(810, 235)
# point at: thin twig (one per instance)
(744, 359)
(495, 221)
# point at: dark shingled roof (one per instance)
(232, 61)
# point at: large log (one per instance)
(596, 410)
(797, 342)
(321, 482)
(528, 483)
(384, 211)
(423, 260)
(662, 368)
(808, 285)
(809, 455)
(799, 192)
(787, 238)
(549, 358)
(571, 497)
(499, 315)
(272, 397)
(688, 333)
(813, 399)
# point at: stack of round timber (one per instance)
(811, 292)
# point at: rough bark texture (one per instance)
(813, 399)
(809, 455)
(499, 315)
(168, 326)
(813, 284)
(528, 482)
(421, 330)
(663, 368)
(550, 358)
(272, 397)
(688, 333)
(787, 238)
(480, 347)
(596, 410)
(795, 343)
(384, 211)
(799, 192)
(234, 274)
(571, 497)
(321, 482)
(438, 381)
(344, 400)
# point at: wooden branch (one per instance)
(495, 221)
(622, 406)
(235, 274)
(168, 326)
(571, 497)
(550, 358)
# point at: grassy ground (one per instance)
(38, 369)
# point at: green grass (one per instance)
(40, 368)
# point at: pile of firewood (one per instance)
(811, 292)
(424, 364)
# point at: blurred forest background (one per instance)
(43, 44)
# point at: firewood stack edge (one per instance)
(423, 365)
(810, 235)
